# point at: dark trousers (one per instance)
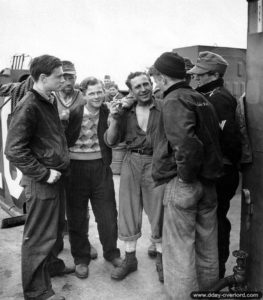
(91, 180)
(45, 206)
(59, 245)
(62, 226)
(226, 188)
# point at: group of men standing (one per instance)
(173, 170)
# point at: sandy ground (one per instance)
(142, 284)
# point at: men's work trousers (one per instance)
(45, 208)
(137, 191)
(91, 180)
(190, 254)
(63, 228)
(59, 245)
(226, 188)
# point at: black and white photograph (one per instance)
(131, 140)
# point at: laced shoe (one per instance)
(128, 266)
(82, 271)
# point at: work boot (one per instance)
(159, 266)
(82, 271)
(128, 265)
(93, 252)
(152, 250)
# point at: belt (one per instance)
(142, 151)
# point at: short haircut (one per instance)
(44, 64)
(85, 83)
(133, 75)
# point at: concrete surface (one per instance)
(142, 284)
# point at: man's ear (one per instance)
(164, 79)
(42, 77)
(131, 93)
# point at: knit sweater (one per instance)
(87, 145)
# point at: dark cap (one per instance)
(209, 62)
(68, 67)
(171, 64)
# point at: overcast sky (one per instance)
(116, 36)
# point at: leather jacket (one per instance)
(187, 139)
(36, 141)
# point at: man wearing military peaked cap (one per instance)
(208, 73)
(207, 62)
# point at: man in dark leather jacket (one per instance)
(187, 157)
(37, 146)
(208, 73)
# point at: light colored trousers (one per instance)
(137, 192)
(190, 252)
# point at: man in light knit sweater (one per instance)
(91, 179)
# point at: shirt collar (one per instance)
(152, 106)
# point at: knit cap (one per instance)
(171, 64)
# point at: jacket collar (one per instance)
(180, 84)
(210, 86)
(43, 97)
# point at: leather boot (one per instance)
(82, 271)
(128, 265)
(159, 266)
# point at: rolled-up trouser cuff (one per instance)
(130, 238)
